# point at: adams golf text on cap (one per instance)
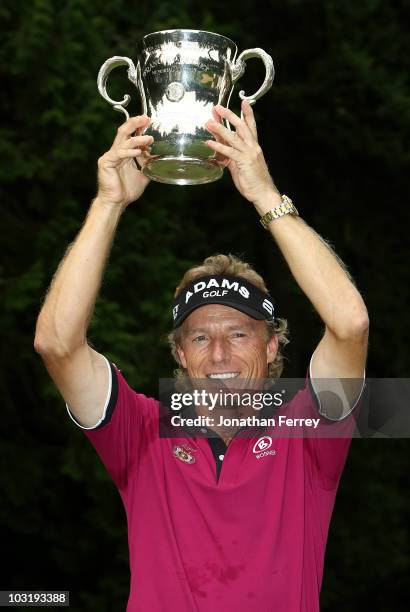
(232, 291)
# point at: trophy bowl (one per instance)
(180, 76)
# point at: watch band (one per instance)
(287, 207)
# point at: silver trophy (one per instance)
(181, 75)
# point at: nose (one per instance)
(219, 351)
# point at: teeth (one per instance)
(224, 375)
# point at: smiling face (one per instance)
(219, 342)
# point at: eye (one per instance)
(238, 335)
(199, 339)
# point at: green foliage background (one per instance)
(334, 130)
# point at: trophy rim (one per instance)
(189, 30)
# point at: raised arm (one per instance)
(341, 352)
(325, 281)
(80, 373)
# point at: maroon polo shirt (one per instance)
(251, 539)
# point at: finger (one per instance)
(215, 115)
(239, 124)
(137, 142)
(124, 153)
(130, 126)
(218, 119)
(231, 138)
(249, 117)
(143, 127)
(224, 150)
(221, 159)
(142, 160)
(113, 158)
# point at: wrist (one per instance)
(266, 201)
(102, 203)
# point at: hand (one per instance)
(240, 152)
(119, 179)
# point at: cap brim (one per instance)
(251, 312)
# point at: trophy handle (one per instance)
(106, 68)
(239, 68)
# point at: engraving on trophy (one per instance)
(158, 71)
(175, 92)
(153, 62)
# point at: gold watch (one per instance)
(287, 207)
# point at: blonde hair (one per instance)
(230, 264)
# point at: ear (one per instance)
(181, 356)
(272, 349)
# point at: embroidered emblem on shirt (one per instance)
(262, 444)
(183, 454)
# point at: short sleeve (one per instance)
(327, 446)
(128, 422)
(336, 406)
(330, 445)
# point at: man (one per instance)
(249, 535)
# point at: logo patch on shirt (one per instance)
(262, 446)
(183, 453)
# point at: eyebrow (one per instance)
(204, 330)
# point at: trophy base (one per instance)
(183, 170)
